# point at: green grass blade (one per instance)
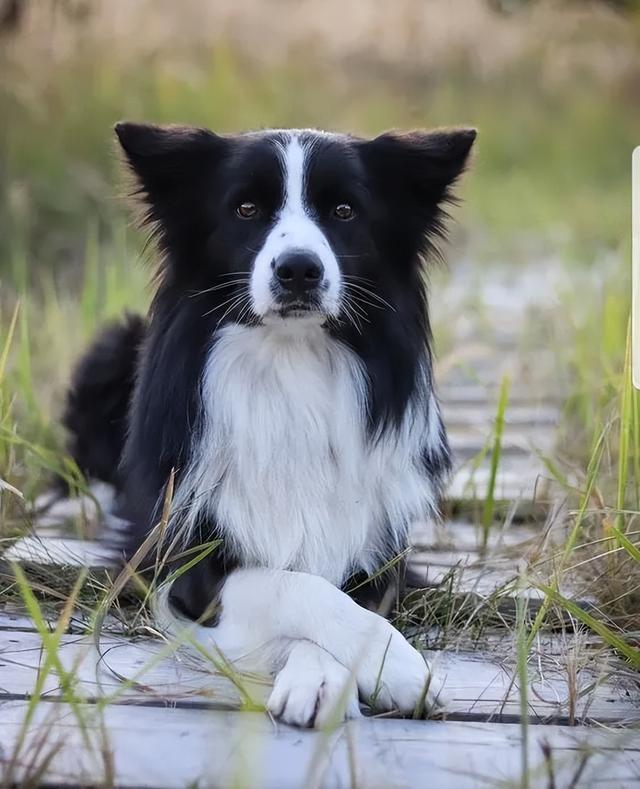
(489, 502)
(4, 356)
(626, 421)
(625, 542)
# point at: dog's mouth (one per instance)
(298, 308)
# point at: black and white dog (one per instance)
(283, 381)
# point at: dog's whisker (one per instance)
(353, 319)
(219, 287)
(370, 293)
(246, 274)
(233, 306)
(222, 304)
(368, 280)
(236, 297)
(359, 300)
(359, 311)
(244, 311)
(355, 305)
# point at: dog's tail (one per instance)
(99, 396)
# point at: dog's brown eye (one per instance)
(344, 211)
(247, 210)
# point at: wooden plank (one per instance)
(472, 393)
(16, 620)
(20, 656)
(483, 413)
(474, 577)
(466, 442)
(519, 479)
(178, 747)
(568, 688)
(475, 685)
(472, 573)
(61, 551)
(464, 535)
(157, 674)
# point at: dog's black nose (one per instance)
(298, 272)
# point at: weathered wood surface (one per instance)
(146, 746)
(593, 686)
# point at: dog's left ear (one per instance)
(421, 164)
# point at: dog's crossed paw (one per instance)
(392, 675)
(313, 690)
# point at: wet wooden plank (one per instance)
(143, 746)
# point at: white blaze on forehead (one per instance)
(295, 228)
(293, 159)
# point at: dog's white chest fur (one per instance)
(285, 465)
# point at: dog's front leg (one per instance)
(264, 613)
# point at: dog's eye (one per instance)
(344, 211)
(247, 210)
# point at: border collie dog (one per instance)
(281, 389)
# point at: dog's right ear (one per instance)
(169, 163)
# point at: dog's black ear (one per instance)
(170, 164)
(425, 164)
(162, 152)
(412, 174)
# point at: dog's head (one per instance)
(275, 225)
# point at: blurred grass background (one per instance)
(554, 88)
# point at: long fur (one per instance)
(294, 415)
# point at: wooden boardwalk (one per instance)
(171, 722)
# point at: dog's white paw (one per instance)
(313, 689)
(392, 675)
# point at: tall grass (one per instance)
(598, 441)
(489, 501)
(69, 261)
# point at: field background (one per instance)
(554, 89)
